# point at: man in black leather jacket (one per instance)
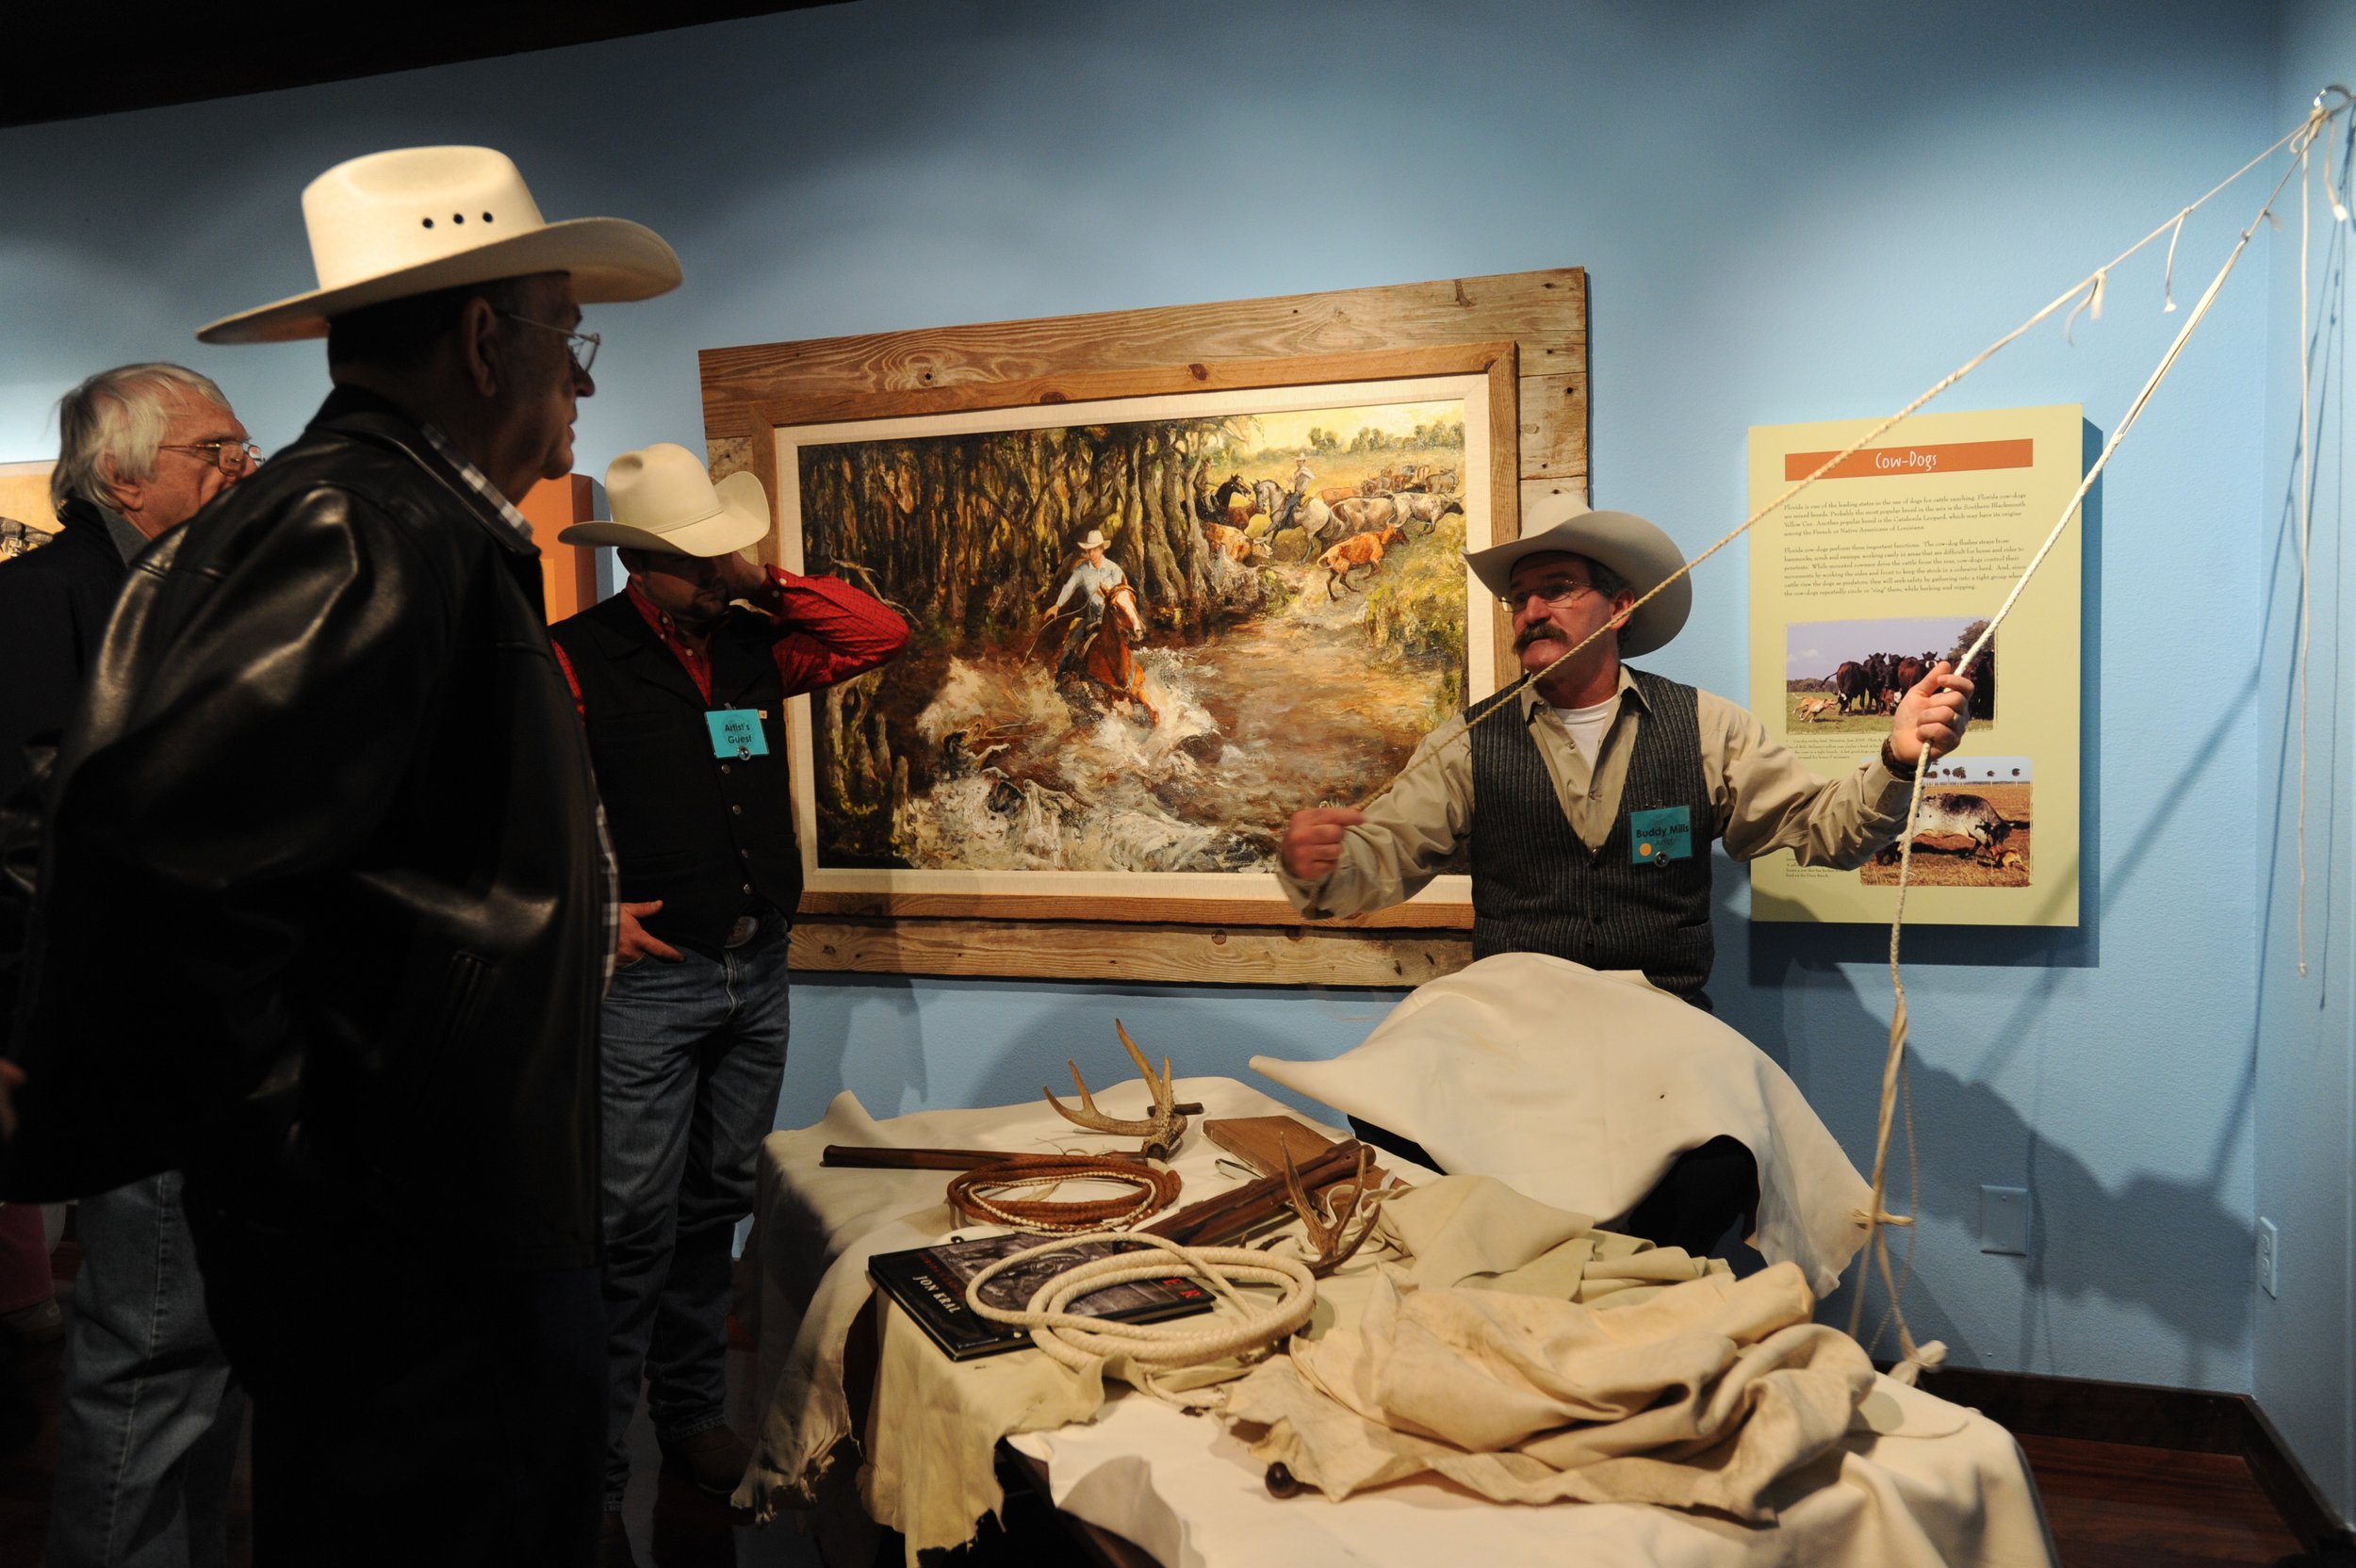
(324, 911)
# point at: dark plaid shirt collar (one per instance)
(478, 481)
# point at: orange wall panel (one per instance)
(569, 572)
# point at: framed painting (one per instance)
(1136, 651)
(27, 518)
(1147, 626)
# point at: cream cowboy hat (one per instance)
(1631, 546)
(1095, 541)
(664, 501)
(394, 225)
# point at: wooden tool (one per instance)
(877, 1157)
(1232, 1212)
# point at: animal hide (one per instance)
(1701, 1396)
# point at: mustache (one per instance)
(1528, 635)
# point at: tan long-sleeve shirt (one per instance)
(1765, 801)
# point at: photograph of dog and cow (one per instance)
(1844, 676)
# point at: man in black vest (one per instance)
(681, 680)
(1588, 807)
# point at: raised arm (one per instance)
(827, 630)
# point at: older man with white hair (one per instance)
(325, 913)
(149, 1419)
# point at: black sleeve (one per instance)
(247, 726)
(46, 635)
(46, 641)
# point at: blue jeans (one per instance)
(694, 1057)
(148, 1422)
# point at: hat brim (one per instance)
(1630, 545)
(742, 519)
(611, 260)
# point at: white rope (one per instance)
(2306, 454)
(1876, 1244)
(2087, 289)
(1079, 1343)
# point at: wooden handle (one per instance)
(1232, 1212)
(875, 1157)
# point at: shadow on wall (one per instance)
(2146, 1245)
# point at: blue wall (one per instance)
(2306, 1028)
(1791, 211)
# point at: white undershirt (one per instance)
(1585, 725)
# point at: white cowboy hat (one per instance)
(663, 499)
(1636, 549)
(394, 225)
(1095, 541)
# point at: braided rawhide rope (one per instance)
(1080, 1342)
(973, 1193)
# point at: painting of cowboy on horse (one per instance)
(1103, 622)
(1133, 642)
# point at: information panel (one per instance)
(1893, 560)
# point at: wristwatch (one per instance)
(1903, 771)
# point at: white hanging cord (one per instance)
(2317, 122)
(2092, 303)
(2167, 275)
(1079, 1342)
(2306, 465)
(1877, 1243)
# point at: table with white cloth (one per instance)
(1916, 1480)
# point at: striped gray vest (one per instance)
(1537, 888)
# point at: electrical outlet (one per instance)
(2005, 1221)
(2269, 1258)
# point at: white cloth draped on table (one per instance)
(1913, 1482)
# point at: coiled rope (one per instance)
(976, 1194)
(1250, 1328)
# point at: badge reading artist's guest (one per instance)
(736, 732)
(1663, 835)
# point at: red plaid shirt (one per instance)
(826, 632)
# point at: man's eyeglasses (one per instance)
(582, 345)
(1556, 592)
(230, 457)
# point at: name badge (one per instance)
(1663, 835)
(736, 733)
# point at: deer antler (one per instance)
(1162, 1131)
(1327, 1222)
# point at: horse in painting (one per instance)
(1107, 662)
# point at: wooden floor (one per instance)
(2111, 1505)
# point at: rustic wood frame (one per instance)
(1528, 331)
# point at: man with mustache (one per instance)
(1588, 807)
(682, 681)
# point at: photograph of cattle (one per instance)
(1135, 646)
(1974, 830)
(1845, 675)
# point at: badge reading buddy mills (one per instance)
(1664, 835)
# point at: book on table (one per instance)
(928, 1283)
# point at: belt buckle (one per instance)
(744, 930)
